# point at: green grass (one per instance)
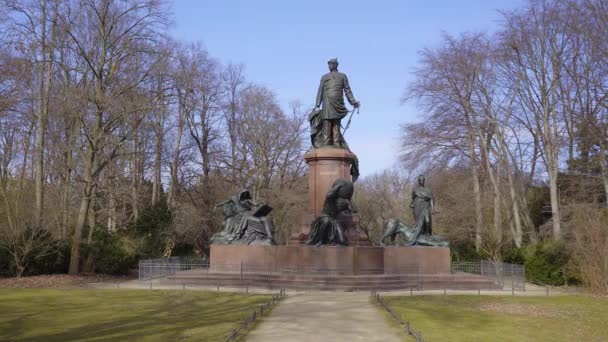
(121, 315)
(491, 318)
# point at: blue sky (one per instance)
(285, 46)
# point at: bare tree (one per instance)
(538, 37)
(233, 84)
(117, 41)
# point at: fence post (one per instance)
(512, 279)
(523, 271)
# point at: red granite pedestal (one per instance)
(351, 260)
(325, 166)
(307, 259)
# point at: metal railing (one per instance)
(163, 267)
(417, 334)
(504, 274)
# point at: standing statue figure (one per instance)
(423, 204)
(325, 122)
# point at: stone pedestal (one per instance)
(417, 259)
(330, 260)
(325, 166)
(305, 259)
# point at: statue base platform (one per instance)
(343, 260)
(330, 268)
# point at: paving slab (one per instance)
(326, 316)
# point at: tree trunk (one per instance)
(135, 176)
(82, 218)
(517, 232)
(172, 199)
(157, 165)
(497, 204)
(478, 212)
(476, 193)
(92, 216)
(604, 168)
(555, 212)
(67, 178)
(112, 207)
(44, 88)
(517, 237)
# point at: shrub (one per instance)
(5, 263)
(57, 261)
(590, 246)
(151, 228)
(34, 251)
(464, 252)
(515, 256)
(112, 253)
(546, 263)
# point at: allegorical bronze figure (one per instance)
(423, 204)
(245, 222)
(326, 229)
(325, 120)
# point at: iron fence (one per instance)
(162, 267)
(192, 272)
(505, 275)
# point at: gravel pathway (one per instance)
(329, 316)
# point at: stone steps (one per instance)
(331, 282)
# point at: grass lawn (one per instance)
(121, 315)
(490, 318)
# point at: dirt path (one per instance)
(326, 317)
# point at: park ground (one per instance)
(121, 314)
(73, 311)
(505, 318)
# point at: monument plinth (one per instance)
(325, 166)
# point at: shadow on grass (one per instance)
(115, 315)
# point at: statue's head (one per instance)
(344, 187)
(244, 195)
(333, 64)
(420, 179)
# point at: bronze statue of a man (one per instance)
(334, 85)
